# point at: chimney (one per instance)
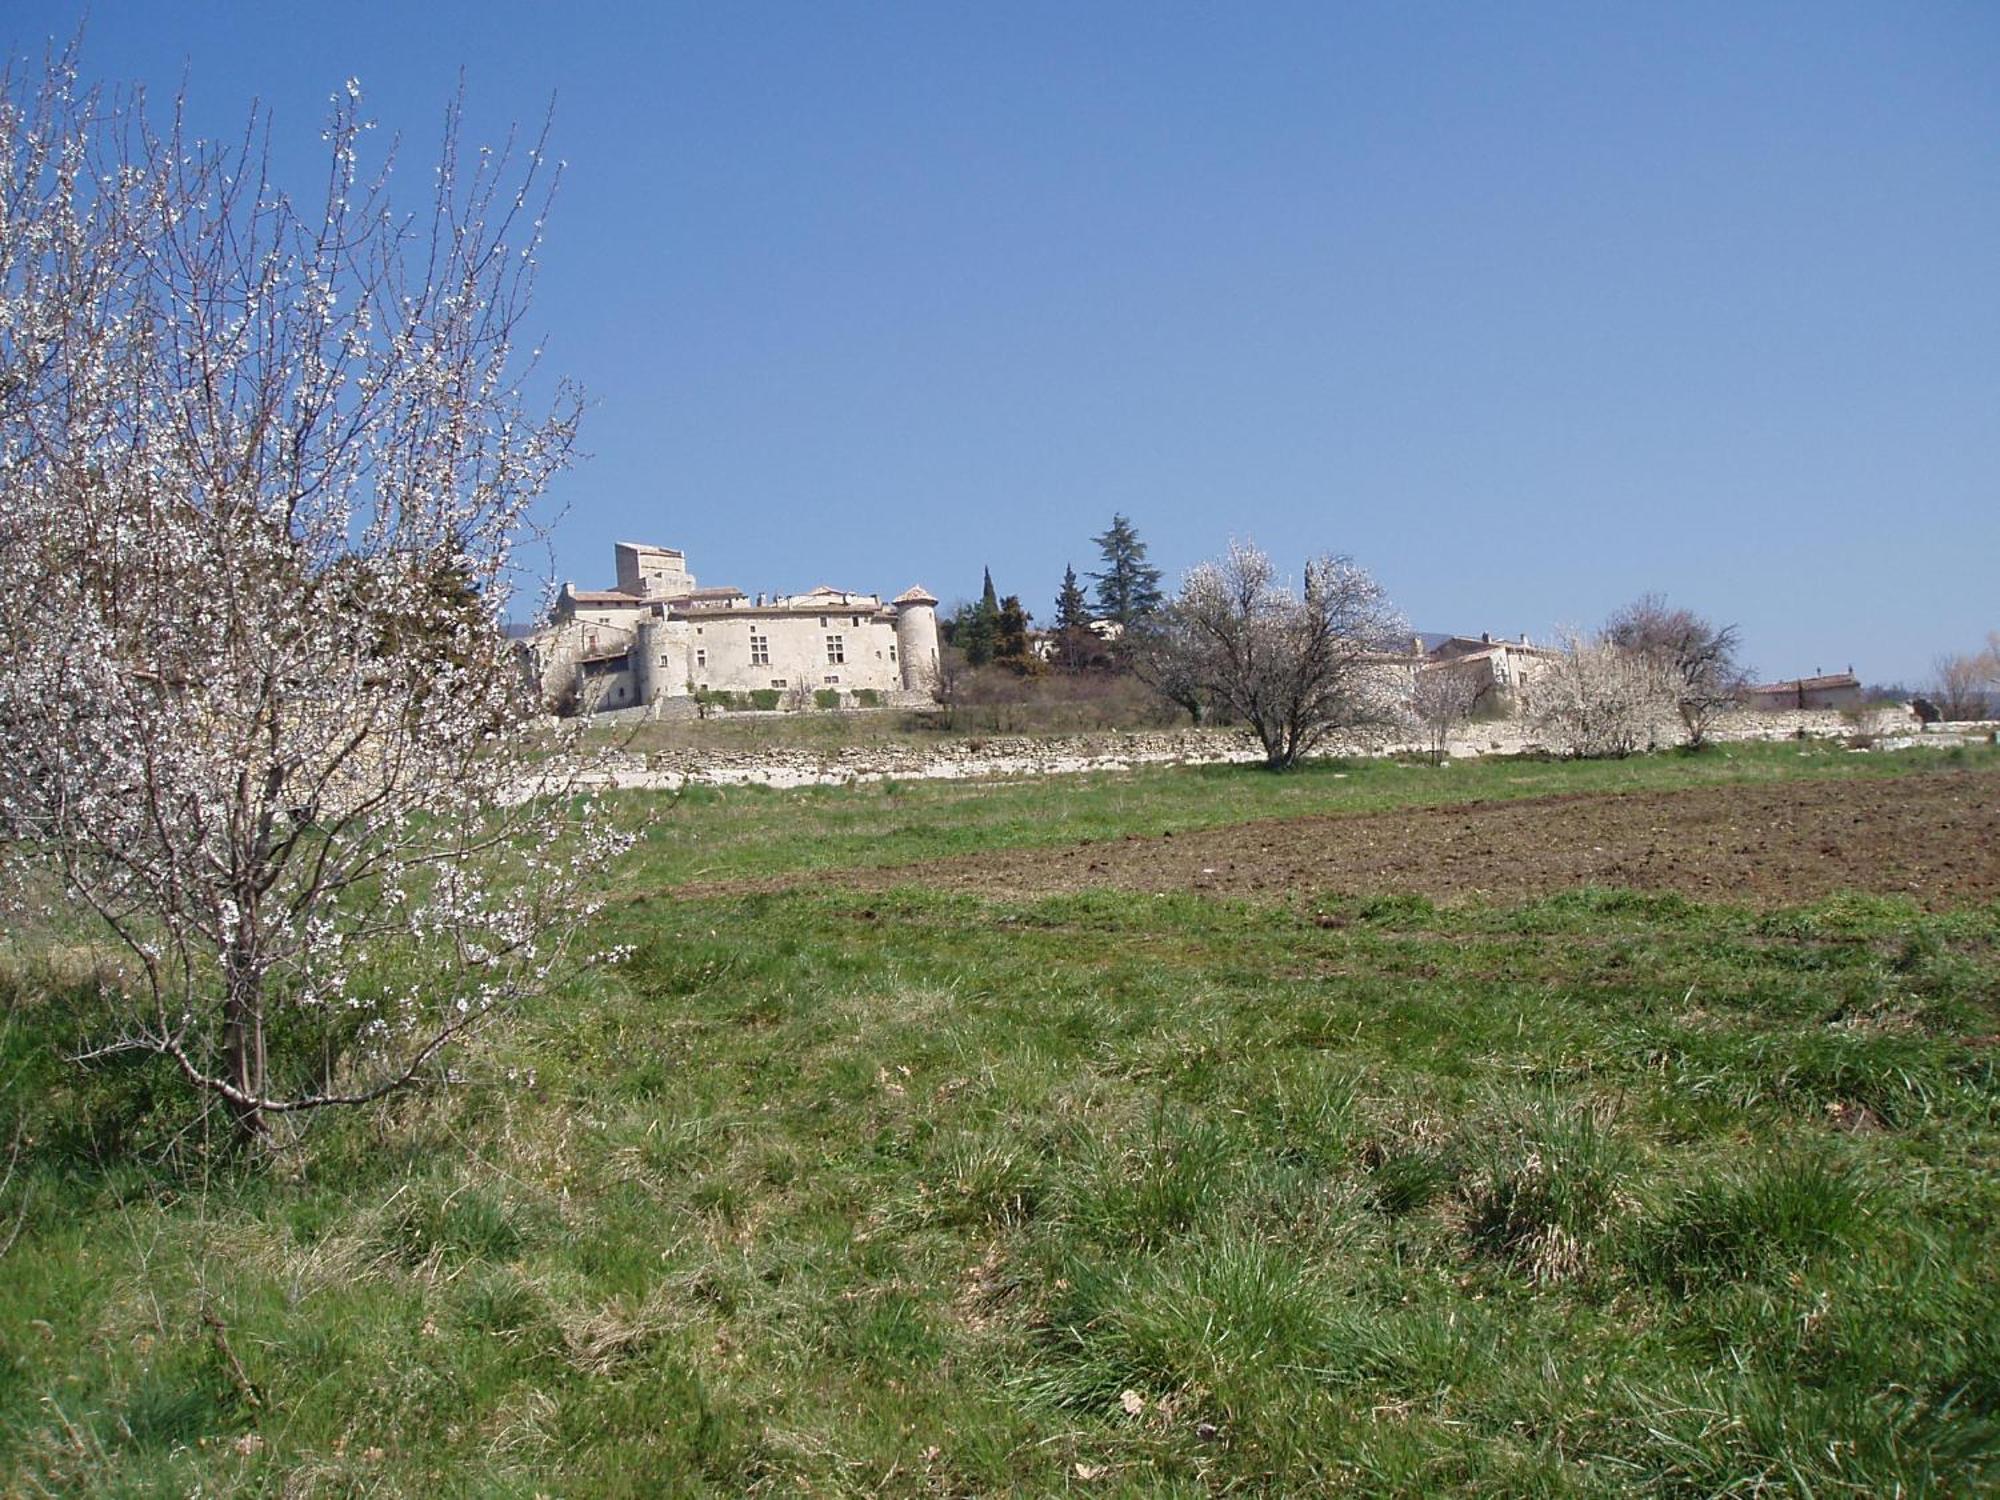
(1485, 638)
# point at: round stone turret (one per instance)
(647, 643)
(917, 639)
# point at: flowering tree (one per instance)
(1600, 700)
(1294, 666)
(1442, 698)
(263, 468)
(1166, 652)
(1695, 659)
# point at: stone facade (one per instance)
(1503, 672)
(657, 641)
(1834, 690)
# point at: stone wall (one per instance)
(1026, 755)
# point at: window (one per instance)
(836, 650)
(857, 622)
(822, 622)
(777, 682)
(700, 656)
(892, 653)
(832, 677)
(760, 650)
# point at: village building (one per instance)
(1827, 690)
(1503, 672)
(656, 641)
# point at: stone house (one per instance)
(657, 637)
(1828, 690)
(1504, 672)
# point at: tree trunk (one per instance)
(243, 1044)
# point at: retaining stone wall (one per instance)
(1024, 755)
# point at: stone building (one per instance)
(1828, 690)
(657, 637)
(1503, 671)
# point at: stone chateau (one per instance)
(656, 641)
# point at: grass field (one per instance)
(845, 1188)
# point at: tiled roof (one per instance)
(1808, 684)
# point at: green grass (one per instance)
(915, 1193)
(716, 833)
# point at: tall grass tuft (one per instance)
(1542, 1188)
(1754, 1224)
(1145, 1194)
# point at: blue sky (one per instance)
(1530, 308)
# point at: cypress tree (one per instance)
(975, 628)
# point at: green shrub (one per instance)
(827, 698)
(764, 698)
(867, 698)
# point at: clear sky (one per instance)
(1531, 308)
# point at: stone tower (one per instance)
(917, 639)
(651, 572)
(649, 681)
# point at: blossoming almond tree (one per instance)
(1599, 700)
(1296, 666)
(264, 466)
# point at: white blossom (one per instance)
(263, 475)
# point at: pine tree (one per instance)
(1127, 589)
(1010, 646)
(974, 631)
(1075, 644)
(1072, 604)
(988, 599)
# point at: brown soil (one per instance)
(1934, 837)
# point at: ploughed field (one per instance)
(1516, 1128)
(1932, 838)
